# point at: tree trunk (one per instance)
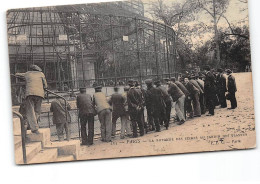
(217, 50)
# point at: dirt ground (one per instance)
(227, 130)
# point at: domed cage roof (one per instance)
(77, 45)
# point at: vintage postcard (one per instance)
(129, 79)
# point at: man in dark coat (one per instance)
(221, 84)
(118, 101)
(149, 106)
(232, 89)
(210, 91)
(168, 103)
(142, 92)
(155, 98)
(86, 116)
(201, 89)
(61, 117)
(135, 107)
(194, 96)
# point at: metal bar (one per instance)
(43, 44)
(81, 48)
(23, 135)
(138, 53)
(167, 45)
(155, 51)
(112, 37)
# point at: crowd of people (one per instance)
(191, 95)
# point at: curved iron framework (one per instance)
(78, 45)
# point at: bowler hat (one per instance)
(173, 79)
(148, 81)
(228, 71)
(126, 88)
(98, 87)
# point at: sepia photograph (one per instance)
(130, 79)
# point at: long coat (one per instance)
(85, 104)
(134, 100)
(59, 111)
(156, 101)
(221, 83)
(210, 86)
(232, 87)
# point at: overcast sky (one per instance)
(234, 13)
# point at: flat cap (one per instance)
(35, 68)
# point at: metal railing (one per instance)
(23, 135)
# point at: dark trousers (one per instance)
(233, 100)
(202, 104)
(222, 99)
(150, 119)
(210, 101)
(196, 104)
(156, 118)
(146, 127)
(168, 113)
(136, 119)
(188, 108)
(87, 138)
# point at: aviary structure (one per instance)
(78, 45)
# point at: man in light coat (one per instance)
(104, 114)
(35, 85)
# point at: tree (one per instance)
(176, 15)
(216, 9)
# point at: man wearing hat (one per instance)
(135, 107)
(194, 96)
(155, 105)
(210, 91)
(128, 122)
(104, 114)
(232, 89)
(221, 84)
(86, 116)
(61, 117)
(168, 104)
(179, 97)
(148, 103)
(202, 97)
(35, 83)
(142, 92)
(118, 101)
(187, 103)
